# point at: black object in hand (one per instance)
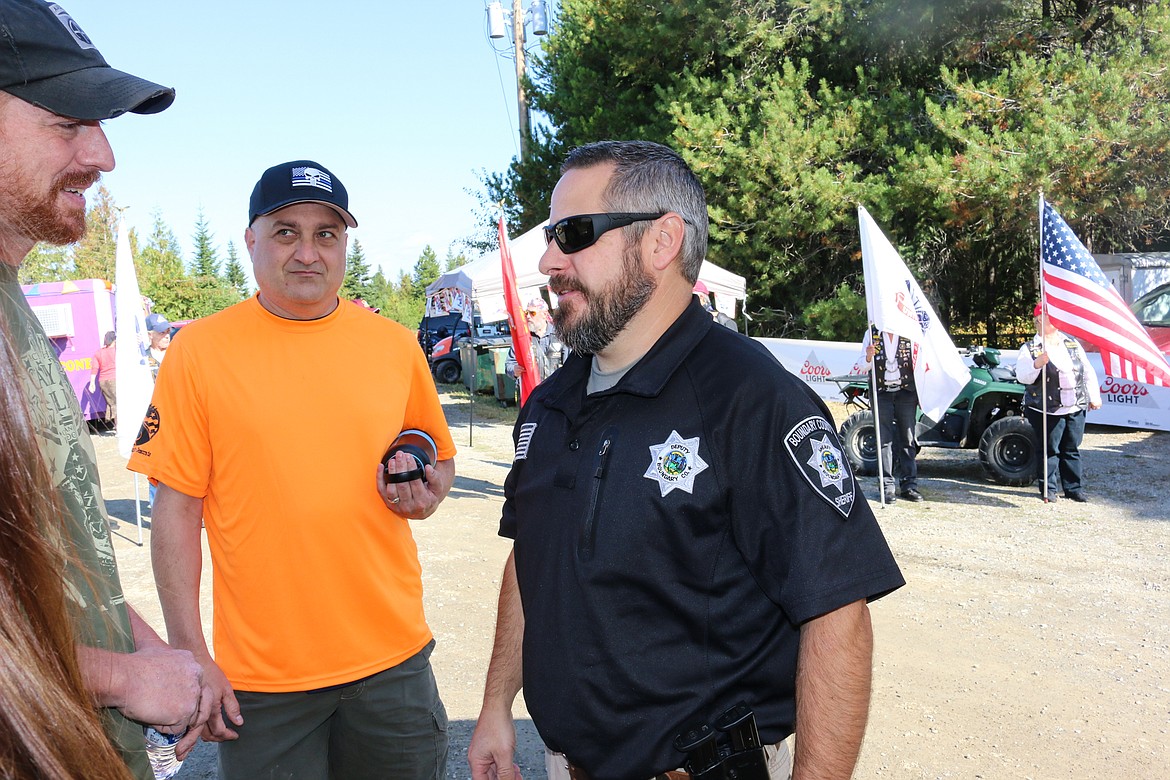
(420, 446)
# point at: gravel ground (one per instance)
(1031, 641)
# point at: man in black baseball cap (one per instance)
(55, 88)
(321, 662)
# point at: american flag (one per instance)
(1083, 303)
(311, 177)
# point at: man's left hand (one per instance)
(417, 498)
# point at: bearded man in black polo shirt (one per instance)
(687, 534)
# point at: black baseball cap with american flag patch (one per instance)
(299, 181)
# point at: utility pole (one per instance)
(496, 20)
(521, 93)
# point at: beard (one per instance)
(606, 313)
(39, 217)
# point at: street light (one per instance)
(498, 19)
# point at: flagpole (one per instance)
(1043, 469)
(135, 383)
(870, 308)
(877, 428)
(138, 509)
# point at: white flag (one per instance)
(896, 305)
(134, 382)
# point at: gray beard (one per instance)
(607, 312)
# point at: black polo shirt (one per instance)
(671, 535)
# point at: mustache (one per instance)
(77, 180)
(562, 284)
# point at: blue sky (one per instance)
(404, 101)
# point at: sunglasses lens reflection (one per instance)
(573, 233)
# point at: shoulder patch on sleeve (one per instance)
(523, 440)
(812, 444)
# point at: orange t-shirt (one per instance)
(278, 425)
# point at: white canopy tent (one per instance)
(481, 281)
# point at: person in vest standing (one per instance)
(897, 408)
(546, 346)
(1072, 388)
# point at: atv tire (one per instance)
(448, 372)
(860, 443)
(1008, 451)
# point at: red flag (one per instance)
(521, 341)
(1083, 303)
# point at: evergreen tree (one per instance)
(93, 256)
(233, 272)
(402, 304)
(176, 294)
(943, 118)
(204, 262)
(380, 292)
(453, 260)
(159, 265)
(426, 270)
(357, 275)
(46, 263)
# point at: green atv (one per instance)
(987, 414)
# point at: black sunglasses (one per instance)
(573, 234)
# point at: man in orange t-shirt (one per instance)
(268, 422)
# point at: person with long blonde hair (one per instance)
(49, 724)
(56, 89)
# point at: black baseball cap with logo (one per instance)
(299, 181)
(47, 59)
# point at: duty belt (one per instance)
(577, 773)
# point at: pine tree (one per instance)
(93, 256)
(402, 305)
(45, 263)
(426, 270)
(454, 260)
(943, 118)
(159, 265)
(379, 292)
(357, 275)
(233, 272)
(205, 262)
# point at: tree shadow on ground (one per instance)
(473, 488)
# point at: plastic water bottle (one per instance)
(160, 749)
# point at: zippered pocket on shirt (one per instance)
(589, 529)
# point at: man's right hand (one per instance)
(218, 699)
(493, 747)
(225, 708)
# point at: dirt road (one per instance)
(1032, 641)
